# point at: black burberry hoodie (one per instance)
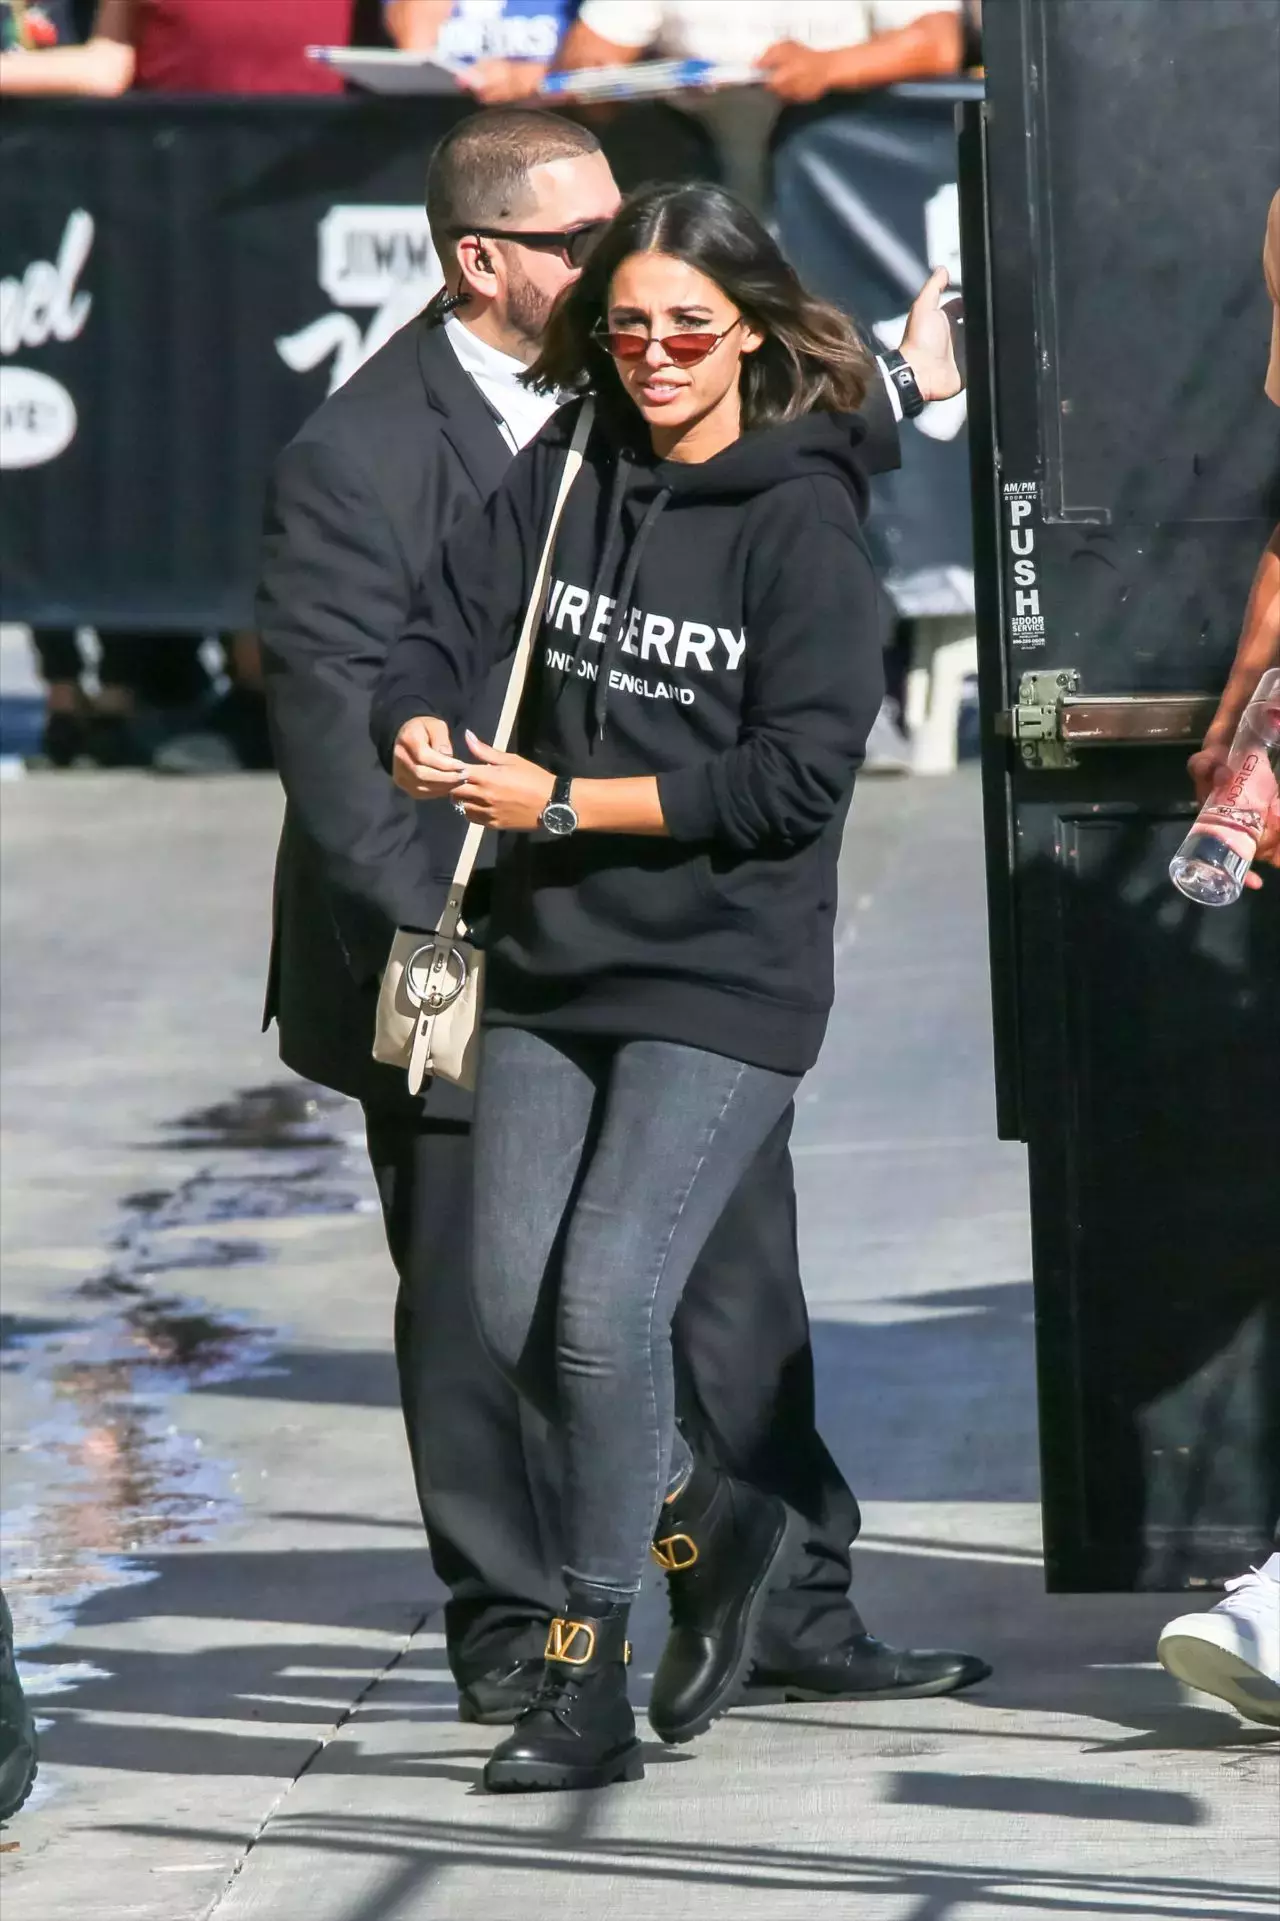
(717, 626)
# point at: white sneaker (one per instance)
(1233, 1651)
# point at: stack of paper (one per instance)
(646, 78)
(382, 71)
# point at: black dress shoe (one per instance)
(579, 1731)
(864, 1669)
(723, 1546)
(500, 1697)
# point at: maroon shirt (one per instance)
(238, 46)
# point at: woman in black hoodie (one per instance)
(659, 959)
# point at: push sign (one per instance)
(1022, 524)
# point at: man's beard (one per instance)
(528, 308)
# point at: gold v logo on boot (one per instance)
(675, 1552)
(573, 1642)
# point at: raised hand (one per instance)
(927, 345)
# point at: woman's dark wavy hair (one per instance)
(811, 360)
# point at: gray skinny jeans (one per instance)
(602, 1166)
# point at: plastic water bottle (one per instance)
(1211, 864)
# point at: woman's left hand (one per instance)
(503, 791)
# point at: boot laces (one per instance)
(556, 1695)
(684, 1592)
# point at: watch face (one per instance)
(559, 818)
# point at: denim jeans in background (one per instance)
(601, 1168)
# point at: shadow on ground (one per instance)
(1058, 1655)
(893, 1386)
(417, 1854)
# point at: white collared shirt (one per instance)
(519, 414)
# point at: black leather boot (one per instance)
(723, 1546)
(579, 1731)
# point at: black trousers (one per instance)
(484, 1465)
(163, 670)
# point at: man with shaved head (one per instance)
(419, 435)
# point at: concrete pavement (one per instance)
(211, 1545)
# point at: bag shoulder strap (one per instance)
(452, 914)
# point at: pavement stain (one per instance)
(102, 1473)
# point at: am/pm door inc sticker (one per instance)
(1022, 522)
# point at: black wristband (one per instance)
(899, 372)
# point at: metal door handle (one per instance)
(1053, 720)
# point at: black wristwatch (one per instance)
(558, 816)
(899, 371)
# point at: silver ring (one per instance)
(435, 999)
(458, 808)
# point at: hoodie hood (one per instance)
(814, 445)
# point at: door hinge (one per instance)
(1035, 724)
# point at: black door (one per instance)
(1126, 466)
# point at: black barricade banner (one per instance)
(183, 282)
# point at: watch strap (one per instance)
(899, 371)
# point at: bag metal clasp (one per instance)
(439, 991)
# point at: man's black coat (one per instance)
(358, 502)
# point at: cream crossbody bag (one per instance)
(433, 989)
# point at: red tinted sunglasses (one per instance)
(682, 350)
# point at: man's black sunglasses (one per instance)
(573, 244)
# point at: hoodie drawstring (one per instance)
(613, 638)
(608, 547)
